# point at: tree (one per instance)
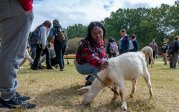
(77, 30)
(146, 23)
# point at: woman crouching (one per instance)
(91, 56)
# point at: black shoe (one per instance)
(49, 67)
(34, 68)
(61, 69)
(88, 83)
(22, 98)
(41, 67)
(15, 103)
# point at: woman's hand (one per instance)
(104, 65)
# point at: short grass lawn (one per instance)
(56, 91)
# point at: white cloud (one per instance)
(71, 12)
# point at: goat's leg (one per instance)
(134, 82)
(115, 96)
(124, 104)
(152, 60)
(147, 58)
(148, 81)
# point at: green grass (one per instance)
(55, 91)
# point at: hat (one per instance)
(56, 22)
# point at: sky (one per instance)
(70, 12)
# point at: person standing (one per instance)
(125, 44)
(154, 46)
(15, 21)
(164, 51)
(112, 48)
(135, 43)
(175, 52)
(42, 47)
(57, 35)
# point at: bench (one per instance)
(69, 56)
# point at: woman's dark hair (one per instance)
(47, 23)
(91, 26)
(133, 36)
(177, 38)
(111, 39)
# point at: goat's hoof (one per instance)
(113, 100)
(87, 104)
(151, 97)
(123, 109)
(131, 96)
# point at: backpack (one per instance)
(59, 36)
(113, 47)
(34, 37)
(164, 49)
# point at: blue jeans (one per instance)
(14, 28)
(87, 69)
(33, 50)
(60, 52)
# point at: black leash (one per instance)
(111, 88)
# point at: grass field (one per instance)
(55, 91)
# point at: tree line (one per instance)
(146, 23)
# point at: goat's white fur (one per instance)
(128, 66)
(148, 51)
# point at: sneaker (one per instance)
(34, 68)
(15, 103)
(22, 98)
(41, 67)
(61, 69)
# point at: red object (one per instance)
(92, 54)
(26, 4)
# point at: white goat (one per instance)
(128, 66)
(148, 51)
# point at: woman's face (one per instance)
(97, 34)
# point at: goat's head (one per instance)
(89, 95)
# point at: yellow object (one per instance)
(70, 56)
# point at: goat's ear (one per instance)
(83, 89)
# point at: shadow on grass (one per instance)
(30, 71)
(58, 97)
(69, 98)
(168, 69)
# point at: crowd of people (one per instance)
(92, 58)
(49, 44)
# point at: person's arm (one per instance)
(120, 46)
(93, 58)
(157, 48)
(43, 37)
(127, 44)
(51, 35)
